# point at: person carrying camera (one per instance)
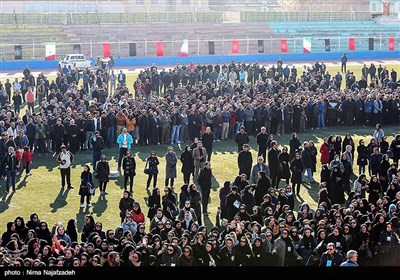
(65, 159)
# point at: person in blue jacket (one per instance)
(124, 142)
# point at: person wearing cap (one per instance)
(65, 159)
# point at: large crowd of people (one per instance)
(257, 224)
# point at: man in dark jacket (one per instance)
(273, 163)
(262, 139)
(241, 138)
(97, 144)
(129, 167)
(204, 181)
(330, 257)
(245, 161)
(208, 138)
(10, 163)
(58, 133)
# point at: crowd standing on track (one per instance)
(257, 223)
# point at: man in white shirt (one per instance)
(65, 159)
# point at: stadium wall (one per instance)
(173, 60)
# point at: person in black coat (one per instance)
(204, 181)
(245, 161)
(57, 134)
(262, 187)
(153, 203)
(232, 203)
(72, 133)
(20, 228)
(284, 160)
(103, 172)
(294, 145)
(273, 163)
(207, 139)
(362, 157)
(248, 198)
(43, 232)
(336, 188)
(152, 166)
(241, 138)
(71, 230)
(129, 167)
(262, 139)
(296, 166)
(187, 164)
(195, 198)
(126, 205)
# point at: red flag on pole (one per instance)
(391, 44)
(235, 46)
(160, 48)
(351, 44)
(106, 50)
(284, 47)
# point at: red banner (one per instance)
(235, 46)
(284, 47)
(160, 48)
(351, 44)
(391, 44)
(106, 50)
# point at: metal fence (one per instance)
(200, 46)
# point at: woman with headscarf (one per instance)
(88, 227)
(307, 245)
(71, 230)
(169, 204)
(33, 222)
(103, 172)
(336, 189)
(126, 204)
(232, 203)
(284, 250)
(248, 198)
(153, 203)
(362, 156)
(284, 172)
(262, 187)
(297, 167)
(21, 229)
(294, 144)
(374, 190)
(43, 232)
(187, 164)
(85, 186)
(6, 236)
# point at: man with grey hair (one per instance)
(351, 256)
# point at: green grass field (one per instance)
(41, 192)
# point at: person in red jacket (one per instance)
(27, 159)
(137, 214)
(324, 151)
